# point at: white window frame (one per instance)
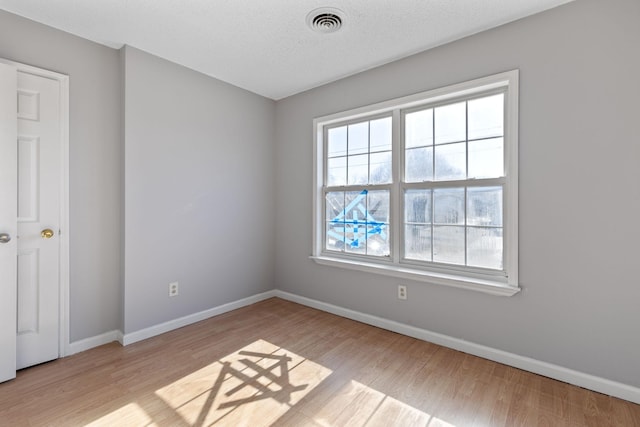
(505, 283)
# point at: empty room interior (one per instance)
(320, 213)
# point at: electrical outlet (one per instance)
(402, 292)
(173, 289)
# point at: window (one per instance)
(423, 187)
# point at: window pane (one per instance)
(358, 172)
(377, 217)
(335, 236)
(486, 117)
(378, 206)
(448, 244)
(377, 245)
(380, 134)
(484, 206)
(484, 247)
(418, 128)
(451, 162)
(486, 158)
(419, 165)
(334, 205)
(355, 237)
(380, 168)
(451, 123)
(337, 171)
(448, 205)
(359, 138)
(417, 242)
(417, 206)
(337, 142)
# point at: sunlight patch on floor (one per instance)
(130, 415)
(252, 386)
(356, 404)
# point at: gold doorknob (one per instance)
(47, 233)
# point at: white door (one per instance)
(8, 220)
(38, 154)
(39, 177)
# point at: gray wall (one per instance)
(199, 191)
(95, 195)
(196, 163)
(579, 191)
(179, 163)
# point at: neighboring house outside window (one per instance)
(423, 187)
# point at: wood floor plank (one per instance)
(277, 363)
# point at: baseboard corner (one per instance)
(95, 341)
(152, 331)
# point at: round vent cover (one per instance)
(325, 20)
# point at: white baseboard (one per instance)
(193, 318)
(91, 342)
(107, 337)
(591, 382)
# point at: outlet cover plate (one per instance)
(402, 292)
(173, 289)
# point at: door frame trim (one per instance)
(63, 279)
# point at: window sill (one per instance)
(479, 285)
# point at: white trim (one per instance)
(316, 194)
(581, 379)
(512, 121)
(458, 277)
(161, 328)
(96, 341)
(64, 346)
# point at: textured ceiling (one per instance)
(265, 46)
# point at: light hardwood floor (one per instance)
(282, 364)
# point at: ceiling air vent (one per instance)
(325, 20)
